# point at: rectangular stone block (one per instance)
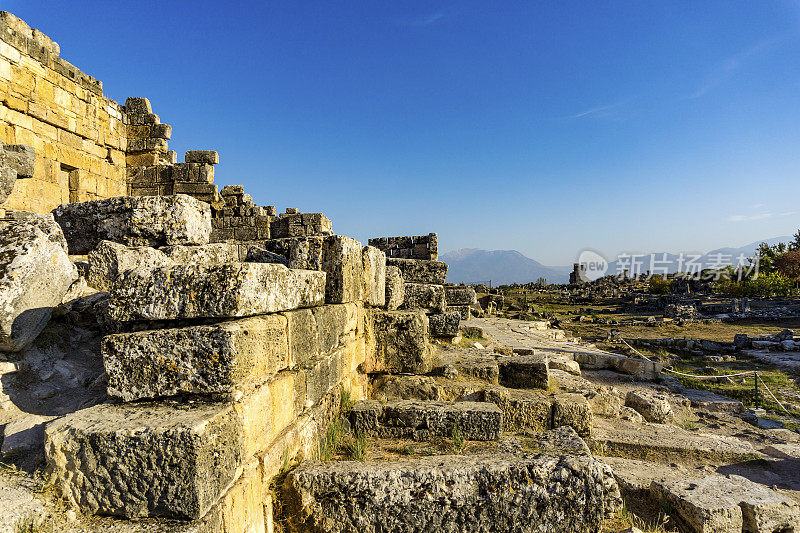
(445, 324)
(462, 310)
(135, 221)
(140, 460)
(202, 156)
(424, 296)
(460, 295)
(228, 290)
(522, 410)
(110, 259)
(420, 270)
(374, 269)
(395, 288)
(216, 359)
(524, 371)
(303, 336)
(331, 322)
(425, 420)
(400, 342)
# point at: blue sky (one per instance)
(545, 127)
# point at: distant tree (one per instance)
(660, 285)
(795, 244)
(541, 281)
(788, 264)
(767, 254)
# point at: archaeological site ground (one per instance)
(177, 358)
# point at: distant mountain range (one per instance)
(473, 265)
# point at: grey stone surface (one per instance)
(214, 253)
(473, 364)
(35, 274)
(374, 276)
(559, 440)
(572, 410)
(502, 492)
(23, 438)
(425, 420)
(653, 406)
(386, 387)
(420, 270)
(135, 221)
(138, 460)
(460, 295)
(445, 324)
(215, 291)
(524, 371)
(424, 296)
(462, 310)
(395, 288)
(8, 177)
(401, 342)
(215, 359)
(19, 157)
(256, 254)
(110, 259)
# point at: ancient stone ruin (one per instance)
(177, 358)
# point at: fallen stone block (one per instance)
(500, 492)
(401, 343)
(420, 270)
(23, 440)
(524, 371)
(35, 274)
(256, 254)
(618, 437)
(462, 310)
(110, 259)
(727, 503)
(395, 288)
(473, 364)
(461, 296)
(559, 440)
(135, 221)
(18, 157)
(215, 291)
(374, 279)
(523, 410)
(205, 254)
(654, 407)
(386, 387)
(444, 325)
(425, 420)
(564, 364)
(572, 410)
(140, 460)
(216, 359)
(424, 296)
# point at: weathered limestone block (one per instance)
(564, 364)
(8, 177)
(500, 492)
(386, 387)
(138, 460)
(217, 359)
(524, 371)
(425, 420)
(475, 364)
(110, 259)
(445, 324)
(213, 254)
(136, 221)
(202, 156)
(463, 310)
(331, 322)
(654, 407)
(572, 410)
(374, 269)
(214, 291)
(136, 105)
(300, 225)
(19, 157)
(341, 261)
(424, 296)
(420, 270)
(35, 274)
(559, 440)
(460, 295)
(304, 338)
(401, 343)
(522, 410)
(395, 288)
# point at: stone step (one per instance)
(664, 443)
(424, 420)
(401, 342)
(474, 364)
(500, 492)
(727, 504)
(213, 291)
(524, 371)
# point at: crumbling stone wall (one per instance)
(45, 102)
(408, 247)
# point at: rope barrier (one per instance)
(755, 372)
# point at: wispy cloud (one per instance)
(727, 69)
(600, 111)
(425, 21)
(759, 216)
